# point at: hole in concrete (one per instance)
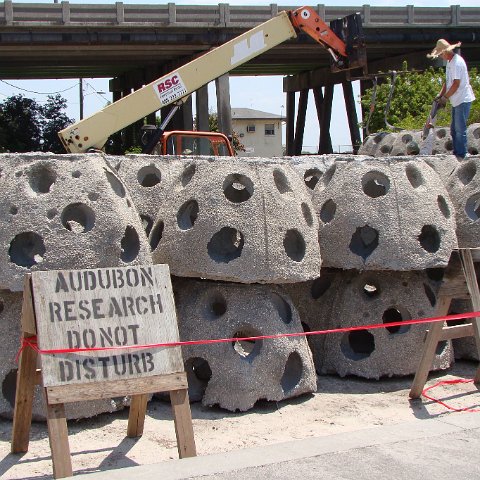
(147, 223)
(292, 373)
(375, 184)
(430, 294)
(443, 206)
(320, 285)
(199, 374)
(52, 213)
(156, 235)
(294, 245)
(476, 133)
(441, 346)
(13, 210)
(311, 177)
(225, 245)
(472, 151)
(115, 183)
(76, 174)
(281, 181)
(247, 349)
(466, 172)
(435, 274)
(441, 133)
(307, 214)
(449, 145)
(414, 176)
(78, 218)
(413, 148)
(406, 138)
(41, 178)
(429, 239)
(130, 245)
(379, 137)
(149, 176)
(93, 196)
(282, 307)
(472, 207)
(216, 306)
(328, 210)
(371, 289)
(188, 174)
(386, 148)
(187, 215)
(364, 241)
(9, 387)
(327, 177)
(2, 305)
(26, 249)
(357, 345)
(237, 188)
(396, 314)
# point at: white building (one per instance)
(259, 132)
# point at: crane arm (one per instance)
(93, 131)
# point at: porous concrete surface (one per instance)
(148, 179)
(235, 375)
(406, 143)
(384, 214)
(239, 220)
(315, 301)
(10, 335)
(64, 212)
(463, 186)
(444, 165)
(375, 298)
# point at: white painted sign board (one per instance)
(103, 308)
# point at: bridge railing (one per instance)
(221, 15)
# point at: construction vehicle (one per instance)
(344, 41)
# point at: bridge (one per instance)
(135, 44)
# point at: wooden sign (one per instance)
(105, 309)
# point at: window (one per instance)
(250, 128)
(269, 129)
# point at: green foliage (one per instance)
(26, 126)
(412, 99)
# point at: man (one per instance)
(458, 91)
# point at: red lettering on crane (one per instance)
(168, 83)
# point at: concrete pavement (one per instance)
(443, 447)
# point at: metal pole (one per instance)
(81, 97)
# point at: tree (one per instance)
(412, 99)
(54, 119)
(26, 126)
(20, 126)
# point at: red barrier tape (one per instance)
(449, 382)
(32, 341)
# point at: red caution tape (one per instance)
(32, 341)
(449, 382)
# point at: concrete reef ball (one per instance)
(236, 374)
(463, 186)
(384, 214)
(64, 212)
(247, 221)
(371, 298)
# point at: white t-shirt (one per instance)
(457, 70)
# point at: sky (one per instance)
(268, 95)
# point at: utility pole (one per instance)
(80, 84)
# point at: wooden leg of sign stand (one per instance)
(182, 417)
(429, 348)
(136, 417)
(58, 437)
(22, 416)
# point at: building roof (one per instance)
(251, 114)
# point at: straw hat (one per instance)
(442, 46)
